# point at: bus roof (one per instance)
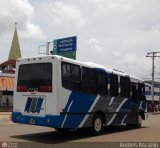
(88, 64)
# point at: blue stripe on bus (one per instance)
(81, 103)
(119, 117)
(126, 107)
(28, 104)
(39, 105)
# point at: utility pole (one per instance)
(159, 90)
(153, 55)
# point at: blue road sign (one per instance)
(65, 45)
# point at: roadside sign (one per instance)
(65, 47)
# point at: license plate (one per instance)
(32, 121)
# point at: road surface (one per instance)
(150, 132)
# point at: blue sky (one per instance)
(114, 33)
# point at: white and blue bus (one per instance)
(62, 93)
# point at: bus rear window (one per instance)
(35, 77)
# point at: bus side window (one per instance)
(102, 83)
(125, 86)
(113, 85)
(71, 76)
(89, 80)
(75, 77)
(134, 92)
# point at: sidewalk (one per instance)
(155, 113)
(5, 118)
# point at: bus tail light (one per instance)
(21, 88)
(47, 88)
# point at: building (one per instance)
(7, 71)
(6, 92)
(156, 91)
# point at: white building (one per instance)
(156, 91)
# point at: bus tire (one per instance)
(97, 124)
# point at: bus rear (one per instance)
(34, 88)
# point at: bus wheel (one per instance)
(97, 124)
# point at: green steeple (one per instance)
(15, 51)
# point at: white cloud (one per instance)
(32, 31)
(117, 33)
(95, 47)
(108, 7)
(22, 12)
(61, 13)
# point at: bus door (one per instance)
(142, 102)
(134, 98)
(132, 115)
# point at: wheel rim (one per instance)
(98, 124)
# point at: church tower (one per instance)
(15, 52)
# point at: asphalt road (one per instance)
(150, 132)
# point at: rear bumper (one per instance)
(54, 121)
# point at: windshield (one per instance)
(35, 77)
